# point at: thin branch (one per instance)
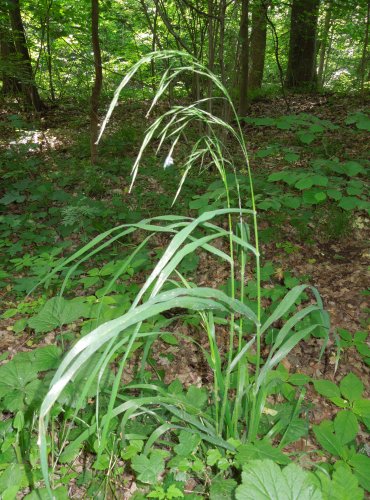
(200, 12)
(276, 49)
(167, 22)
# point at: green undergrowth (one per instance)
(97, 399)
(323, 198)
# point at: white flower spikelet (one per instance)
(168, 162)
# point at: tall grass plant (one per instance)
(239, 390)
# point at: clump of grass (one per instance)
(234, 409)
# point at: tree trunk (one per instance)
(27, 79)
(258, 43)
(226, 110)
(275, 38)
(48, 51)
(301, 71)
(365, 55)
(244, 58)
(98, 82)
(328, 54)
(153, 25)
(11, 84)
(324, 44)
(211, 50)
(221, 49)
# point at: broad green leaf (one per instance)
(148, 469)
(326, 388)
(279, 176)
(213, 456)
(342, 403)
(222, 489)
(223, 464)
(344, 486)
(361, 120)
(366, 420)
(345, 334)
(321, 196)
(291, 157)
(345, 426)
(352, 168)
(265, 121)
(269, 203)
(306, 137)
(364, 205)
(295, 430)
(328, 440)
(362, 408)
(360, 337)
(349, 203)
(363, 349)
(198, 203)
(357, 183)
(14, 401)
(168, 338)
(20, 325)
(9, 313)
(264, 480)
(268, 151)
(309, 196)
(363, 124)
(35, 391)
(18, 422)
(335, 194)
(70, 452)
(90, 281)
(188, 442)
(300, 483)
(102, 462)
(299, 379)
(42, 358)
(14, 476)
(260, 450)
(56, 312)
(316, 128)
(361, 468)
(15, 377)
(305, 183)
(132, 449)
(283, 124)
(60, 493)
(320, 180)
(351, 387)
(10, 493)
(291, 202)
(354, 191)
(196, 396)
(12, 197)
(172, 492)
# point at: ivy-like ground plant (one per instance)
(240, 387)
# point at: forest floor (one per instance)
(47, 170)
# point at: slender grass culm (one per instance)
(240, 388)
